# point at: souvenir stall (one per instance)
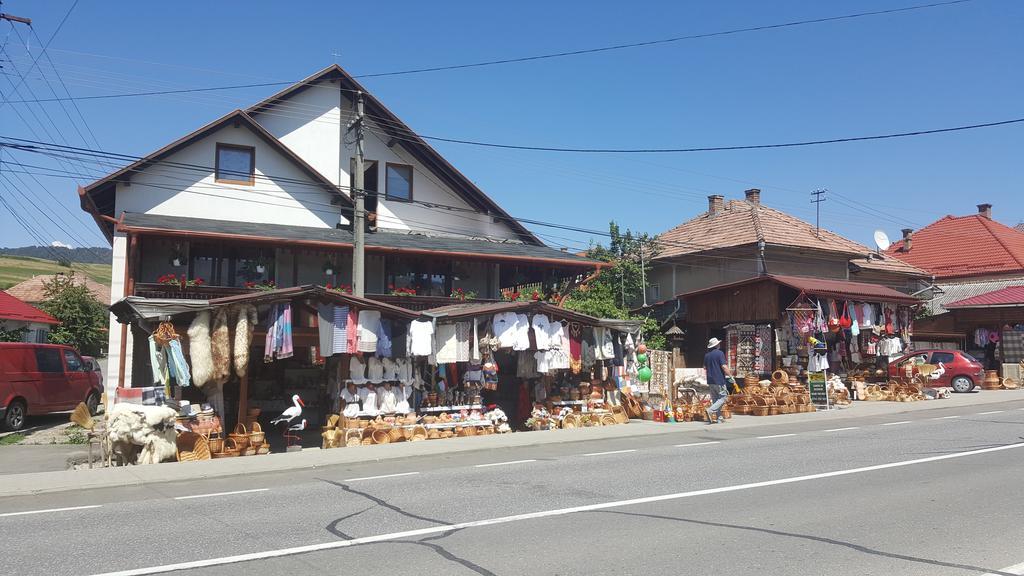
(245, 371)
(535, 364)
(777, 328)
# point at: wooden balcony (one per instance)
(165, 291)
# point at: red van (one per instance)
(42, 378)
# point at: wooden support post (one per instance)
(243, 399)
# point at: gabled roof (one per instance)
(953, 292)
(406, 137)
(33, 290)
(837, 289)
(97, 198)
(885, 263)
(742, 223)
(956, 246)
(13, 309)
(1004, 297)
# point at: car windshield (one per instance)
(970, 358)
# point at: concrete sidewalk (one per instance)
(45, 482)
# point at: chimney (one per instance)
(716, 203)
(753, 196)
(985, 210)
(907, 234)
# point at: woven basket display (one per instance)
(396, 435)
(192, 446)
(571, 421)
(417, 433)
(607, 420)
(263, 449)
(433, 434)
(353, 437)
(256, 434)
(230, 449)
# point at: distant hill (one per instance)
(98, 255)
(14, 269)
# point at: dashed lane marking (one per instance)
(49, 510)
(843, 429)
(775, 436)
(610, 452)
(503, 463)
(222, 494)
(382, 476)
(697, 444)
(896, 423)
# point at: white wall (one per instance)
(311, 124)
(118, 263)
(274, 199)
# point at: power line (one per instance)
(550, 55)
(430, 205)
(52, 36)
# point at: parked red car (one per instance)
(43, 378)
(962, 371)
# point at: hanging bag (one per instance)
(844, 320)
(833, 318)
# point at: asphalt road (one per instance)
(930, 493)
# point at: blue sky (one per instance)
(932, 68)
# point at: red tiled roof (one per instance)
(1009, 296)
(740, 223)
(32, 290)
(956, 246)
(13, 309)
(841, 289)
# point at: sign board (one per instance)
(818, 387)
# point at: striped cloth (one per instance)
(1013, 346)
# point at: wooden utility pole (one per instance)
(359, 211)
(819, 197)
(13, 18)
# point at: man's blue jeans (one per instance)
(719, 395)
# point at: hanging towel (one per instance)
(158, 363)
(369, 325)
(384, 338)
(176, 361)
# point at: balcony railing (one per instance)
(417, 303)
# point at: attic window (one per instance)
(235, 164)
(399, 182)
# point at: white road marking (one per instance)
(49, 510)
(992, 412)
(696, 444)
(843, 429)
(896, 423)
(503, 463)
(1015, 569)
(774, 436)
(379, 477)
(611, 452)
(222, 494)
(337, 544)
(945, 417)
(1020, 408)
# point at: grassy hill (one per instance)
(14, 269)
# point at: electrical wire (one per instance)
(562, 54)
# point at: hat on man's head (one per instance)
(713, 342)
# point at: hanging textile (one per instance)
(278, 343)
(1013, 346)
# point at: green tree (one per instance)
(619, 286)
(83, 319)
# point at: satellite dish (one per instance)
(882, 240)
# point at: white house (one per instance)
(262, 195)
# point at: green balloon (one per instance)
(644, 374)
(641, 358)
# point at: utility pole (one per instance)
(13, 18)
(818, 198)
(359, 212)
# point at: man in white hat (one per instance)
(719, 378)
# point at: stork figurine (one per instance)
(291, 413)
(293, 438)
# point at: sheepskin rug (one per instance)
(220, 335)
(243, 337)
(149, 427)
(199, 349)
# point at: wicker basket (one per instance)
(571, 421)
(256, 434)
(216, 443)
(353, 437)
(230, 449)
(1010, 383)
(263, 449)
(240, 436)
(433, 434)
(607, 420)
(417, 433)
(396, 434)
(380, 436)
(192, 446)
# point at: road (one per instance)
(930, 493)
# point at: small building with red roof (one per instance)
(15, 315)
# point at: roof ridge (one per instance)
(987, 223)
